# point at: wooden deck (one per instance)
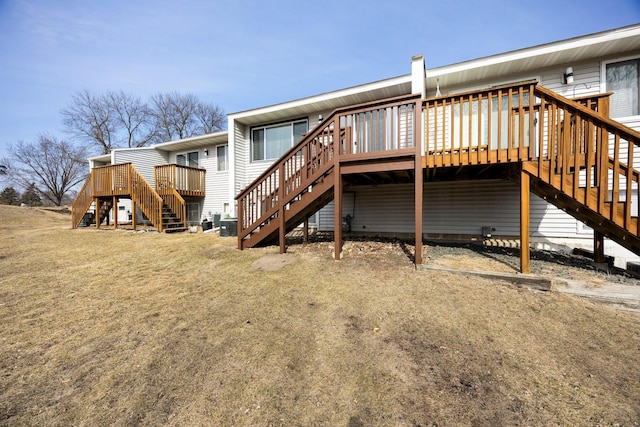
(567, 151)
(164, 206)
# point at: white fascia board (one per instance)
(200, 140)
(541, 50)
(101, 158)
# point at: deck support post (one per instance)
(418, 183)
(133, 215)
(337, 211)
(97, 202)
(525, 185)
(418, 209)
(305, 231)
(115, 212)
(281, 221)
(598, 247)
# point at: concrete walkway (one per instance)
(622, 297)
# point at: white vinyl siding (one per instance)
(217, 187)
(143, 159)
(449, 209)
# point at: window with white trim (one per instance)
(623, 79)
(271, 141)
(221, 157)
(188, 159)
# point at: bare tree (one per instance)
(179, 116)
(55, 166)
(90, 119)
(211, 117)
(117, 119)
(134, 119)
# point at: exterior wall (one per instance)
(241, 149)
(143, 159)
(450, 209)
(217, 185)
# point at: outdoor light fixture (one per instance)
(206, 151)
(320, 118)
(567, 77)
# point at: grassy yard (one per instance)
(104, 327)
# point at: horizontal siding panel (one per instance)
(217, 185)
(449, 208)
(143, 159)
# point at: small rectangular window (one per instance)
(221, 155)
(623, 79)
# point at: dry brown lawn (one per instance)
(104, 327)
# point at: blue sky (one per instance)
(242, 54)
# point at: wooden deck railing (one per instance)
(480, 127)
(359, 132)
(111, 180)
(187, 181)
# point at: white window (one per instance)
(188, 159)
(221, 156)
(271, 141)
(622, 78)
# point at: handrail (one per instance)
(177, 204)
(146, 197)
(82, 202)
(592, 156)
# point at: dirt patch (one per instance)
(274, 262)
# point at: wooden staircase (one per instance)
(303, 180)
(574, 156)
(587, 167)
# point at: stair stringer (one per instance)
(583, 212)
(301, 207)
